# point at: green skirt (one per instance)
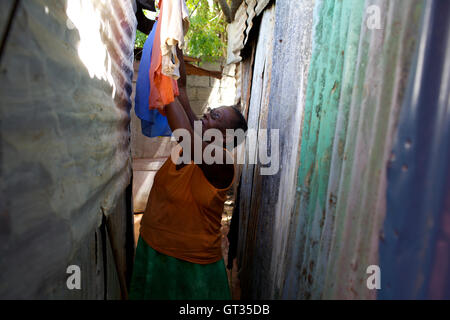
(158, 276)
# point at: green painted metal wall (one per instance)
(355, 87)
(319, 242)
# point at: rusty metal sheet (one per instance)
(250, 11)
(261, 6)
(65, 154)
(361, 196)
(324, 87)
(341, 175)
(322, 232)
(236, 35)
(239, 30)
(342, 119)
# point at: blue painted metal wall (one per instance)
(415, 249)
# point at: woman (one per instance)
(179, 249)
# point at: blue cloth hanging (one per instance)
(159, 127)
(153, 123)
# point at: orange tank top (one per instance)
(183, 214)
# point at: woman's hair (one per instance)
(240, 123)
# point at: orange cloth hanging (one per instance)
(163, 89)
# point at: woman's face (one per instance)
(220, 118)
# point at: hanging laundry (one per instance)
(160, 86)
(176, 23)
(143, 81)
(166, 87)
(159, 127)
(153, 124)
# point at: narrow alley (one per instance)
(339, 188)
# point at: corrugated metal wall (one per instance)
(319, 242)
(66, 71)
(415, 249)
(355, 90)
